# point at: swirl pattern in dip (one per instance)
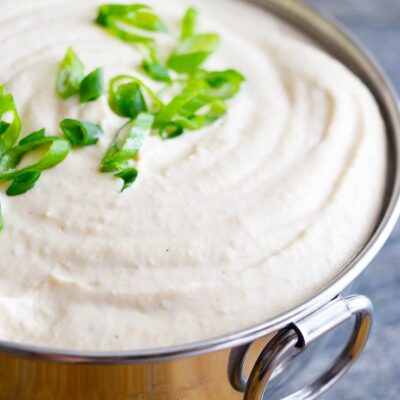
(227, 227)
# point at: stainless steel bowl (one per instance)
(215, 369)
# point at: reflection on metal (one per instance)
(302, 334)
(236, 363)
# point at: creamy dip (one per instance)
(226, 227)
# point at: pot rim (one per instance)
(334, 38)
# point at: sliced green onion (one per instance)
(215, 110)
(23, 183)
(189, 23)
(81, 133)
(33, 137)
(10, 130)
(157, 71)
(120, 19)
(192, 109)
(201, 103)
(3, 126)
(127, 100)
(127, 97)
(70, 75)
(137, 15)
(129, 176)
(127, 143)
(171, 130)
(154, 67)
(123, 34)
(57, 149)
(193, 52)
(92, 86)
(174, 107)
(222, 84)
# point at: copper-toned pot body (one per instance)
(202, 377)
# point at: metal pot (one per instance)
(214, 369)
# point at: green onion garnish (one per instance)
(129, 176)
(70, 75)
(57, 149)
(81, 133)
(33, 137)
(92, 86)
(23, 183)
(3, 126)
(128, 97)
(192, 109)
(9, 129)
(157, 71)
(23, 179)
(221, 84)
(154, 67)
(123, 21)
(189, 23)
(192, 52)
(127, 143)
(201, 101)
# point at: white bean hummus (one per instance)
(225, 228)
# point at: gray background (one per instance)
(377, 376)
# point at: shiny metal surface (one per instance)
(193, 378)
(200, 370)
(301, 334)
(332, 315)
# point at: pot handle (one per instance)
(296, 337)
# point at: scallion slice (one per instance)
(221, 84)
(157, 71)
(81, 133)
(33, 137)
(70, 75)
(189, 23)
(128, 97)
(10, 121)
(192, 109)
(123, 21)
(23, 183)
(92, 86)
(3, 126)
(129, 176)
(127, 143)
(192, 52)
(56, 150)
